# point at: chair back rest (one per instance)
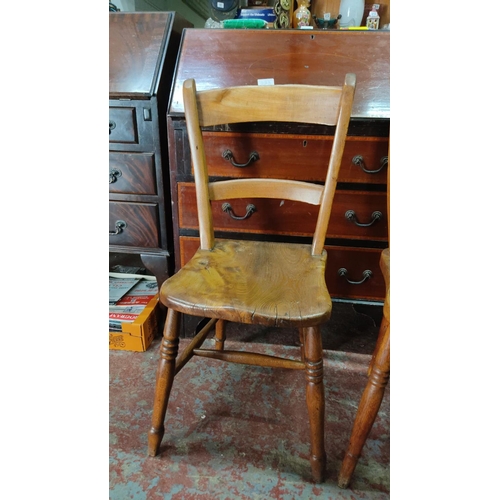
(311, 104)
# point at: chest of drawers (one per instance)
(358, 226)
(143, 48)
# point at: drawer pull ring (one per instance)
(367, 274)
(350, 215)
(113, 175)
(226, 207)
(360, 162)
(112, 125)
(120, 225)
(228, 155)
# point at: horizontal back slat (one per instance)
(266, 188)
(285, 103)
(311, 104)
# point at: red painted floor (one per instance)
(239, 432)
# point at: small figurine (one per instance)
(373, 18)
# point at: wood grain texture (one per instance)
(276, 216)
(250, 358)
(266, 188)
(264, 103)
(143, 50)
(136, 174)
(293, 156)
(136, 42)
(141, 220)
(306, 104)
(257, 282)
(355, 260)
(227, 58)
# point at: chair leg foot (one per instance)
(154, 440)
(164, 379)
(348, 466)
(318, 468)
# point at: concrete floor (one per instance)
(242, 432)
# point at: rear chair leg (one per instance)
(164, 379)
(220, 335)
(315, 397)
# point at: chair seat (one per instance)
(252, 282)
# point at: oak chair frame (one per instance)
(183, 292)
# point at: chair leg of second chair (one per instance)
(368, 407)
(164, 379)
(380, 339)
(315, 397)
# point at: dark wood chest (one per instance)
(358, 227)
(143, 48)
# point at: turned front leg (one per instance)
(315, 397)
(164, 379)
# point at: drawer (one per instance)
(132, 173)
(123, 125)
(302, 157)
(274, 216)
(135, 224)
(355, 261)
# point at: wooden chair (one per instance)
(378, 374)
(256, 282)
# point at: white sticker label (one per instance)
(326, 17)
(220, 5)
(265, 81)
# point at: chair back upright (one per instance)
(322, 105)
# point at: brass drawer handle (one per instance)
(367, 274)
(360, 162)
(350, 215)
(226, 207)
(120, 225)
(228, 155)
(113, 175)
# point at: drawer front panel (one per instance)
(295, 156)
(141, 224)
(123, 125)
(293, 218)
(354, 260)
(132, 173)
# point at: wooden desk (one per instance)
(143, 49)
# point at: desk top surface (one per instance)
(223, 58)
(136, 46)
